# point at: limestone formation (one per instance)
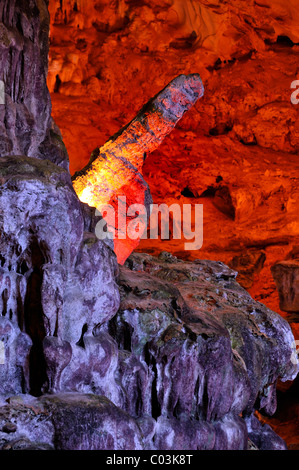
(57, 279)
(26, 125)
(242, 135)
(114, 169)
(183, 365)
(160, 353)
(174, 313)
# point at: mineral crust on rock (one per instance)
(57, 279)
(26, 124)
(157, 354)
(183, 365)
(210, 351)
(67, 422)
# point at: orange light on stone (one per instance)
(116, 170)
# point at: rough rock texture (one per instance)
(184, 364)
(26, 125)
(184, 361)
(204, 348)
(115, 170)
(57, 279)
(66, 422)
(235, 150)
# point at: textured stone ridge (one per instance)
(183, 365)
(206, 352)
(115, 169)
(180, 358)
(57, 280)
(26, 125)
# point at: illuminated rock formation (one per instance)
(114, 169)
(157, 354)
(243, 135)
(46, 253)
(26, 124)
(183, 365)
(174, 313)
(235, 153)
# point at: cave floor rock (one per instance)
(207, 302)
(196, 363)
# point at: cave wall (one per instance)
(235, 152)
(46, 243)
(27, 127)
(94, 352)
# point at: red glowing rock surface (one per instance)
(114, 169)
(235, 152)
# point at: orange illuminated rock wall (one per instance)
(235, 152)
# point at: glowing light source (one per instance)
(117, 168)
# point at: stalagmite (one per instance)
(115, 170)
(158, 354)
